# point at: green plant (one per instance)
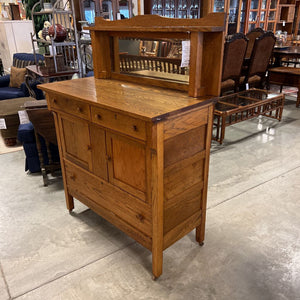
(38, 20)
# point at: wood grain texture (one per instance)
(59, 135)
(185, 145)
(200, 230)
(154, 23)
(184, 174)
(127, 207)
(119, 122)
(182, 206)
(144, 102)
(157, 198)
(98, 145)
(185, 122)
(101, 57)
(196, 60)
(74, 130)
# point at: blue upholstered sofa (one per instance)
(20, 60)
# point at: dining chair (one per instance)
(255, 74)
(233, 57)
(251, 36)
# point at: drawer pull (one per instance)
(73, 177)
(108, 158)
(135, 128)
(89, 147)
(98, 117)
(140, 217)
(55, 101)
(79, 109)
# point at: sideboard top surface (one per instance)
(146, 102)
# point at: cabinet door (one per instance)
(76, 141)
(127, 164)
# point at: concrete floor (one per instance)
(252, 246)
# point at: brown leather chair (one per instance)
(251, 36)
(234, 53)
(259, 60)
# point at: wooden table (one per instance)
(43, 123)
(40, 74)
(285, 52)
(243, 106)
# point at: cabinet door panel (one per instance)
(99, 152)
(76, 145)
(127, 164)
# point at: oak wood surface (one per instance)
(213, 22)
(144, 102)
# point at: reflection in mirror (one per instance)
(163, 59)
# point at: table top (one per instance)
(293, 50)
(42, 71)
(163, 75)
(12, 106)
(146, 102)
(243, 99)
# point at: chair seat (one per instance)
(10, 93)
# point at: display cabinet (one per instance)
(108, 9)
(270, 15)
(285, 17)
(62, 43)
(184, 9)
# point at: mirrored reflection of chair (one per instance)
(251, 36)
(255, 74)
(234, 53)
(148, 48)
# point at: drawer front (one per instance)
(70, 106)
(119, 122)
(109, 197)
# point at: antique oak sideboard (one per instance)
(136, 149)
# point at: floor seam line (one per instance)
(54, 279)
(253, 187)
(5, 282)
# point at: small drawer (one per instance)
(70, 106)
(119, 122)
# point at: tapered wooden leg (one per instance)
(157, 263)
(69, 202)
(200, 232)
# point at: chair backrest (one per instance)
(251, 36)
(233, 58)
(22, 60)
(261, 54)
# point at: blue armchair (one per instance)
(20, 60)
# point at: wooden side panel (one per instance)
(127, 164)
(185, 159)
(76, 141)
(116, 201)
(185, 122)
(98, 144)
(185, 145)
(182, 206)
(101, 54)
(183, 175)
(212, 63)
(196, 61)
